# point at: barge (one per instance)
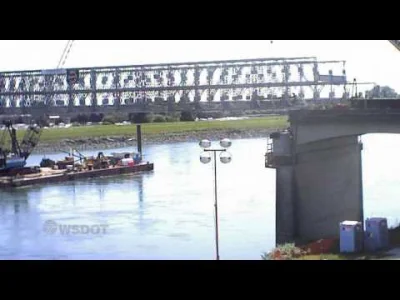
(48, 176)
(74, 167)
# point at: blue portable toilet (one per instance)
(351, 237)
(376, 234)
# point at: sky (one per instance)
(367, 60)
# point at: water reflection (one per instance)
(98, 201)
(168, 214)
(14, 201)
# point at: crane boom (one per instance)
(65, 54)
(395, 43)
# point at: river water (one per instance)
(169, 213)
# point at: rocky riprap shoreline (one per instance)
(102, 143)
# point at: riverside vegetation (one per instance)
(110, 132)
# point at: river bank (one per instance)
(110, 136)
(110, 142)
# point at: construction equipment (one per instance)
(70, 161)
(65, 54)
(14, 159)
(395, 43)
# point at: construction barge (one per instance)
(75, 166)
(48, 176)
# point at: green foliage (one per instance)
(58, 121)
(42, 121)
(19, 120)
(187, 116)
(272, 122)
(108, 120)
(159, 119)
(114, 118)
(215, 115)
(96, 118)
(80, 118)
(108, 123)
(381, 92)
(172, 118)
(140, 118)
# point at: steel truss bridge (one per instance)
(121, 87)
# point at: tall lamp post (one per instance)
(225, 158)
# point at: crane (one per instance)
(395, 43)
(65, 54)
(14, 159)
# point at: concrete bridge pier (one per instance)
(318, 185)
(328, 185)
(285, 205)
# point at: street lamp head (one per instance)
(225, 143)
(205, 157)
(205, 144)
(225, 157)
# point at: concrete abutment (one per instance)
(318, 185)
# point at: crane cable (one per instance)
(65, 54)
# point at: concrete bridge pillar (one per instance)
(328, 186)
(285, 207)
(318, 185)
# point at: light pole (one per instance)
(225, 158)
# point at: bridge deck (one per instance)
(338, 115)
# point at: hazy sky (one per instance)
(376, 61)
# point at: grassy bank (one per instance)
(54, 135)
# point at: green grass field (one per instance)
(154, 129)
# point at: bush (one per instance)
(58, 121)
(42, 121)
(172, 118)
(113, 118)
(80, 118)
(284, 252)
(139, 118)
(19, 120)
(96, 118)
(159, 119)
(108, 120)
(187, 116)
(215, 115)
(118, 118)
(236, 114)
